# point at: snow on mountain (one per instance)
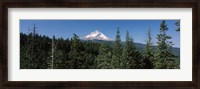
(96, 35)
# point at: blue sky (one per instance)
(66, 28)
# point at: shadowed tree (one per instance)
(104, 57)
(177, 23)
(132, 58)
(148, 53)
(75, 53)
(165, 59)
(117, 51)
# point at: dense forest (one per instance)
(42, 52)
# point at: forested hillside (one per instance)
(42, 52)
(140, 46)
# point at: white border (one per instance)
(183, 74)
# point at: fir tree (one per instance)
(117, 51)
(126, 50)
(178, 25)
(149, 53)
(104, 57)
(58, 59)
(25, 52)
(132, 58)
(164, 57)
(74, 54)
(136, 59)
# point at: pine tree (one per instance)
(75, 53)
(132, 58)
(104, 57)
(25, 52)
(164, 57)
(178, 25)
(58, 59)
(58, 54)
(90, 54)
(136, 59)
(51, 53)
(117, 51)
(66, 50)
(148, 53)
(126, 50)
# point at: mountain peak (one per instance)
(97, 31)
(96, 35)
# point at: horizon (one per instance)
(66, 28)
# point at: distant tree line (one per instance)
(42, 52)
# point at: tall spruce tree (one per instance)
(51, 53)
(149, 53)
(75, 53)
(136, 59)
(117, 51)
(177, 23)
(104, 57)
(59, 56)
(25, 52)
(126, 50)
(165, 59)
(132, 58)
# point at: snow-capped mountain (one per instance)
(96, 35)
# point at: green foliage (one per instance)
(131, 56)
(42, 52)
(178, 25)
(117, 52)
(165, 59)
(75, 53)
(90, 54)
(33, 51)
(148, 53)
(104, 57)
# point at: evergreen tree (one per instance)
(36, 51)
(117, 51)
(25, 52)
(178, 25)
(90, 54)
(58, 59)
(104, 57)
(75, 53)
(132, 58)
(148, 53)
(51, 61)
(66, 50)
(164, 57)
(126, 51)
(136, 59)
